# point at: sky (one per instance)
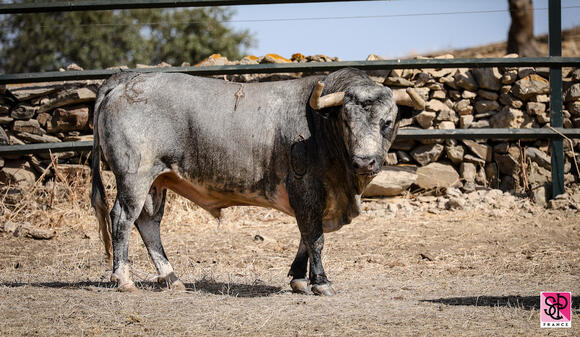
(395, 28)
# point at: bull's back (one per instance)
(225, 137)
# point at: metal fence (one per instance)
(554, 61)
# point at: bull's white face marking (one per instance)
(369, 117)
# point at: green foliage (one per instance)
(101, 39)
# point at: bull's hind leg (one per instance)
(148, 225)
(298, 271)
(131, 194)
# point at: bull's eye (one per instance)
(386, 128)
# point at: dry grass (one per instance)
(472, 272)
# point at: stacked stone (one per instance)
(483, 98)
(455, 98)
(43, 113)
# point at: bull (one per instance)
(306, 147)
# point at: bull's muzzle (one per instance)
(365, 165)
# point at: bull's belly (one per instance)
(212, 199)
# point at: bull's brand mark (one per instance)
(555, 309)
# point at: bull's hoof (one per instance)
(300, 286)
(323, 289)
(177, 286)
(115, 278)
(127, 288)
(171, 281)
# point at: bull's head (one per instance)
(369, 116)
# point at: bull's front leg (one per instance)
(307, 198)
(299, 269)
(314, 241)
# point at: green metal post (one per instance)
(555, 46)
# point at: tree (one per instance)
(521, 34)
(101, 39)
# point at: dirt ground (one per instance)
(406, 266)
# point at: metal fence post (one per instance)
(555, 46)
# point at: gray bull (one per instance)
(306, 147)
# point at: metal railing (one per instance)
(555, 62)
(48, 76)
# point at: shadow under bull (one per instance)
(255, 289)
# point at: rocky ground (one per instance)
(441, 262)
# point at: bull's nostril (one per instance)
(363, 165)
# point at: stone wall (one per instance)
(455, 98)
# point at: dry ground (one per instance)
(476, 271)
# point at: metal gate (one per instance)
(554, 61)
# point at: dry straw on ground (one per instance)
(399, 270)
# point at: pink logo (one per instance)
(555, 310)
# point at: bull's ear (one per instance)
(405, 112)
(328, 113)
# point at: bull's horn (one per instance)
(326, 101)
(409, 97)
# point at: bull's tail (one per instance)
(98, 196)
